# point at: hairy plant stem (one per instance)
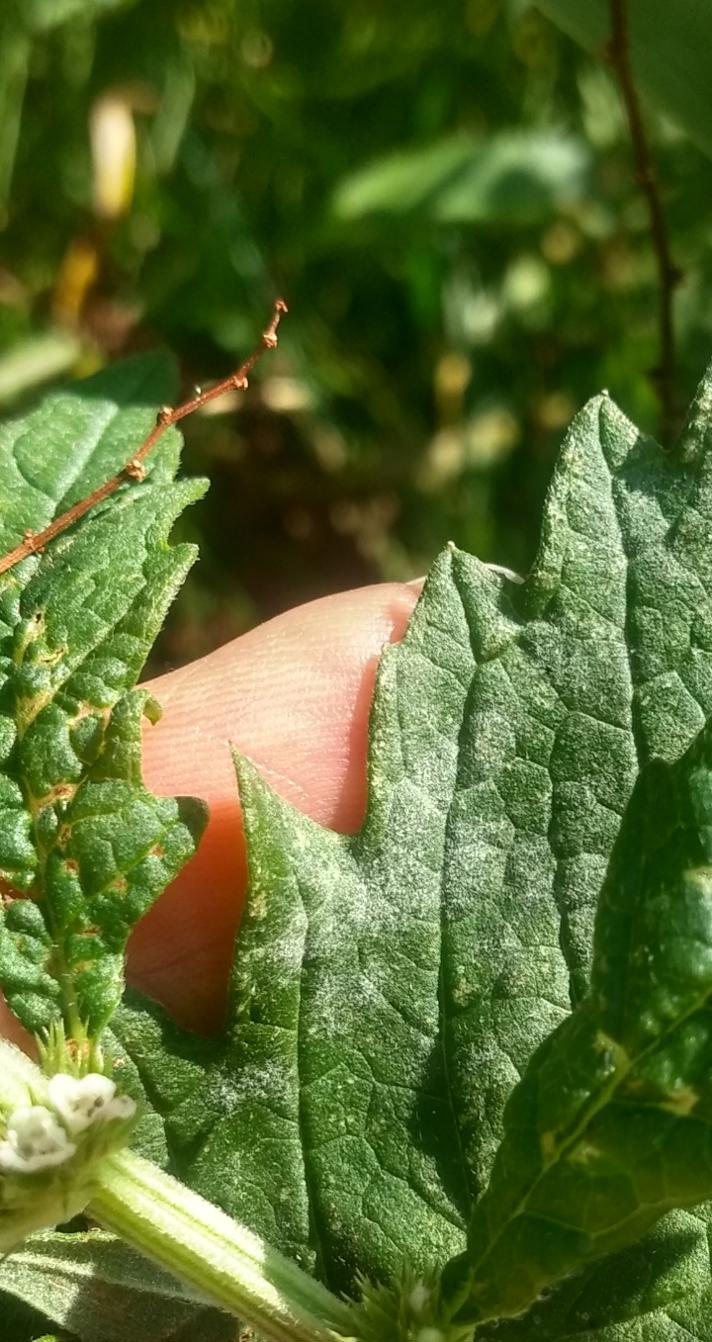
(221, 1259)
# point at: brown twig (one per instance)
(33, 543)
(669, 276)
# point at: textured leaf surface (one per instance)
(78, 831)
(611, 1124)
(659, 1290)
(98, 1289)
(390, 987)
(671, 44)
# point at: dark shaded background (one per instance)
(443, 192)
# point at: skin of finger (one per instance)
(294, 695)
(11, 1029)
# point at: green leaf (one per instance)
(161, 1065)
(100, 1290)
(610, 1126)
(658, 1290)
(390, 987)
(670, 49)
(513, 178)
(23, 1324)
(78, 830)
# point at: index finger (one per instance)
(294, 695)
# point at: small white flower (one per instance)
(122, 1107)
(81, 1101)
(34, 1140)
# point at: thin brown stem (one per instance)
(33, 543)
(618, 55)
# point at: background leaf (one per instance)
(98, 1289)
(511, 178)
(429, 365)
(670, 44)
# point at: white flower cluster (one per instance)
(38, 1136)
(86, 1100)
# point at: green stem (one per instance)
(203, 1246)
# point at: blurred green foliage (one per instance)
(671, 52)
(444, 194)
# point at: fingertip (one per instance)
(294, 695)
(11, 1029)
